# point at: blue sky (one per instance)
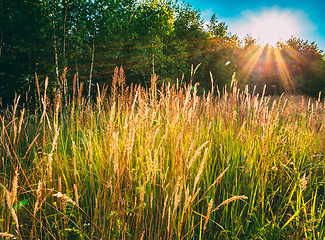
(309, 15)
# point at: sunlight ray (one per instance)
(285, 75)
(268, 59)
(252, 61)
(295, 55)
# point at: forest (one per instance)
(86, 40)
(128, 119)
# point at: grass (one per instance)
(163, 164)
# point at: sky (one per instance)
(302, 18)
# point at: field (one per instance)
(163, 163)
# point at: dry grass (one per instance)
(152, 163)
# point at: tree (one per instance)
(306, 63)
(22, 28)
(216, 28)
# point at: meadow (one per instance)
(163, 163)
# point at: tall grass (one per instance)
(163, 164)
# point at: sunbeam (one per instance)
(284, 73)
(252, 61)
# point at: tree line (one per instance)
(87, 39)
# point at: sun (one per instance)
(271, 25)
(265, 59)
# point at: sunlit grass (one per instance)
(163, 164)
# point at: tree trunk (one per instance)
(55, 50)
(63, 60)
(64, 31)
(1, 34)
(92, 65)
(77, 75)
(153, 65)
(63, 57)
(1, 42)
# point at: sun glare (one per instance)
(269, 27)
(272, 25)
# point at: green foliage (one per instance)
(306, 64)
(164, 37)
(294, 66)
(216, 28)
